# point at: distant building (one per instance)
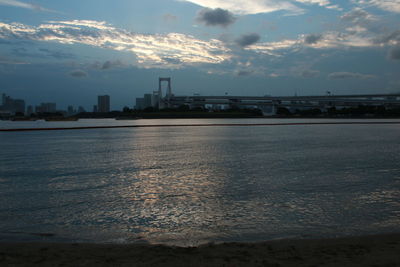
(103, 103)
(12, 105)
(95, 108)
(139, 103)
(81, 109)
(155, 99)
(71, 110)
(19, 105)
(46, 108)
(29, 110)
(148, 100)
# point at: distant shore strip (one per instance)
(198, 125)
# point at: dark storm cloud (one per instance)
(248, 39)
(394, 53)
(349, 75)
(243, 73)
(109, 64)
(388, 38)
(78, 74)
(312, 38)
(310, 73)
(216, 17)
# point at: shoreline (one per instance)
(199, 125)
(371, 250)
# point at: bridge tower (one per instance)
(161, 100)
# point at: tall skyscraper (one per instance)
(103, 103)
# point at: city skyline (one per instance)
(59, 52)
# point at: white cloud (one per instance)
(270, 48)
(101, 25)
(16, 3)
(169, 50)
(318, 2)
(358, 16)
(322, 3)
(249, 7)
(356, 29)
(387, 5)
(327, 40)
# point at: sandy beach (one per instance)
(377, 250)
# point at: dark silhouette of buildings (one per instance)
(103, 103)
(46, 108)
(11, 105)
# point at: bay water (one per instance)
(191, 185)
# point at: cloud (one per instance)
(392, 38)
(312, 38)
(78, 74)
(56, 53)
(349, 75)
(7, 61)
(41, 53)
(150, 49)
(251, 7)
(387, 5)
(109, 64)
(248, 39)
(356, 30)
(269, 48)
(239, 7)
(244, 73)
(394, 53)
(358, 16)
(328, 40)
(322, 3)
(216, 17)
(16, 3)
(310, 73)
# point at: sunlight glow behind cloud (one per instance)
(261, 6)
(168, 50)
(176, 50)
(250, 7)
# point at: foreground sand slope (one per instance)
(379, 250)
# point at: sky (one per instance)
(69, 52)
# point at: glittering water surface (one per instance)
(193, 185)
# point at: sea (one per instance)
(192, 185)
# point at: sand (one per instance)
(378, 250)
